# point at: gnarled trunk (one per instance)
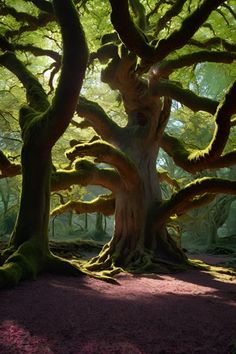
(139, 244)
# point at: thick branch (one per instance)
(74, 62)
(129, 33)
(165, 68)
(36, 96)
(104, 204)
(105, 152)
(180, 154)
(98, 119)
(182, 198)
(85, 173)
(136, 42)
(214, 41)
(189, 26)
(187, 97)
(222, 129)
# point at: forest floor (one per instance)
(185, 313)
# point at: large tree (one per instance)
(148, 47)
(41, 123)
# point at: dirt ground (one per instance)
(184, 313)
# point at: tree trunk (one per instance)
(28, 253)
(138, 244)
(33, 216)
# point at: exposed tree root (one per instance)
(220, 272)
(138, 261)
(29, 260)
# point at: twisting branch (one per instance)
(187, 97)
(214, 41)
(222, 129)
(180, 154)
(104, 152)
(175, 9)
(136, 42)
(98, 119)
(38, 51)
(36, 96)
(189, 26)
(85, 173)
(104, 204)
(74, 63)
(129, 33)
(182, 199)
(165, 68)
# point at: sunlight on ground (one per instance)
(16, 339)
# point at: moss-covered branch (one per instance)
(104, 204)
(36, 96)
(129, 33)
(165, 68)
(180, 154)
(181, 201)
(98, 119)
(136, 42)
(104, 152)
(187, 97)
(85, 173)
(74, 63)
(188, 28)
(197, 160)
(222, 129)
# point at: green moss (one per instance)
(10, 275)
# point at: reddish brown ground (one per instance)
(185, 313)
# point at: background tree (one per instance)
(159, 47)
